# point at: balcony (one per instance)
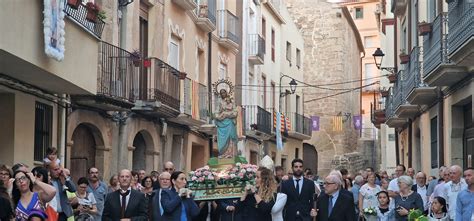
(377, 113)
(194, 104)
(228, 26)
(437, 69)
(23, 57)
(257, 122)
(461, 33)
(115, 82)
(256, 49)
(417, 92)
(186, 4)
(391, 105)
(158, 89)
(300, 126)
(79, 17)
(205, 15)
(404, 109)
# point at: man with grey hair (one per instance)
(332, 204)
(421, 188)
(168, 167)
(343, 190)
(358, 182)
(452, 188)
(155, 204)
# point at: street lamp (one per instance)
(293, 85)
(378, 57)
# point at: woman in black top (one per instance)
(6, 209)
(257, 205)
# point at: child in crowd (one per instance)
(51, 156)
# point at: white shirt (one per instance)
(300, 183)
(277, 209)
(422, 192)
(393, 185)
(126, 199)
(450, 193)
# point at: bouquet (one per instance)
(203, 175)
(416, 215)
(185, 192)
(370, 211)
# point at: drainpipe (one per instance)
(123, 26)
(209, 87)
(410, 143)
(441, 128)
(397, 148)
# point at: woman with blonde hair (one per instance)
(256, 204)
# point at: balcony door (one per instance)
(143, 78)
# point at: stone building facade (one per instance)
(333, 53)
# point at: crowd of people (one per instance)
(48, 193)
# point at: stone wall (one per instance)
(332, 54)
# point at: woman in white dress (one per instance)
(368, 194)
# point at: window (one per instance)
(264, 28)
(432, 10)
(43, 127)
(370, 41)
(403, 39)
(264, 94)
(297, 155)
(434, 142)
(288, 52)
(414, 24)
(359, 13)
(370, 72)
(201, 65)
(173, 59)
(298, 102)
(298, 58)
(273, 45)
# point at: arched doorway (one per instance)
(310, 156)
(139, 154)
(82, 151)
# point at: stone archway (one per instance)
(310, 155)
(143, 151)
(85, 140)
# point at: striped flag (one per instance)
(337, 123)
(285, 124)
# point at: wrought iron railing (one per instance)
(206, 9)
(461, 23)
(79, 15)
(307, 126)
(257, 118)
(195, 100)
(398, 92)
(256, 46)
(389, 111)
(162, 83)
(412, 78)
(228, 25)
(434, 45)
(116, 73)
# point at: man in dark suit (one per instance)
(125, 203)
(300, 192)
(332, 204)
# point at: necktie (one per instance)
(298, 186)
(330, 206)
(124, 202)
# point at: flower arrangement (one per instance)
(416, 215)
(370, 211)
(203, 175)
(94, 12)
(243, 172)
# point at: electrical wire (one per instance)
(344, 92)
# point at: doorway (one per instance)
(82, 152)
(310, 156)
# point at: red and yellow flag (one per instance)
(337, 123)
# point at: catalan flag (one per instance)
(285, 124)
(337, 123)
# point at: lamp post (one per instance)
(293, 85)
(378, 57)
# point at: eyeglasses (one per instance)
(19, 179)
(327, 183)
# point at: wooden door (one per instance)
(82, 152)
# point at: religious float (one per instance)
(228, 175)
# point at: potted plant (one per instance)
(92, 11)
(404, 58)
(74, 3)
(136, 57)
(424, 28)
(182, 75)
(392, 78)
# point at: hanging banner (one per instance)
(357, 122)
(54, 29)
(315, 123)
(279, 141)
(337, 123)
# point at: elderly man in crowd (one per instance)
(421, 188)
(332, 204)
(452, 188)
